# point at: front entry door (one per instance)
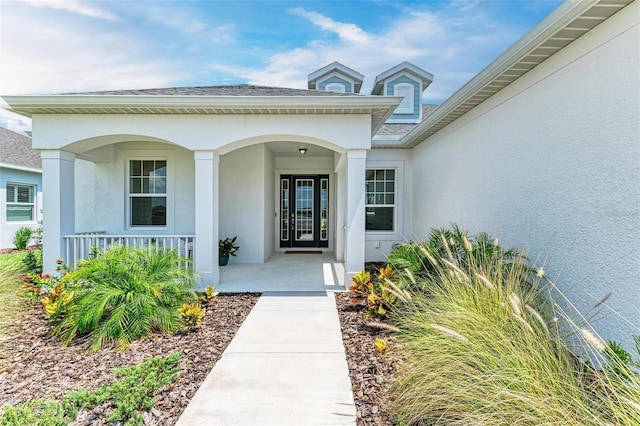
(304, 211)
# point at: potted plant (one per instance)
(226, 248)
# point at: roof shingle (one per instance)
(237, 90)
(16, 149)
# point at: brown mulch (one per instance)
(370, 371)
(15, 250)
(40, 366)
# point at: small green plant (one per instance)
(209, 295)
(21, 237)
(360, 286)
(130, 394)
(227, 247)
(123, 294)
(191, 315)
(32, 260)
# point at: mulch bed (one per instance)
(40, 366)
(370, 371)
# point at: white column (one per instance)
(355, 212)
(341, 200)
(206, 217)
(58, 187)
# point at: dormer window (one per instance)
(335, 87)
(407, 92)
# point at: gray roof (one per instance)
(16, 149)
(402, 129)
(237, 90)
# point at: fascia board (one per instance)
(31, 103)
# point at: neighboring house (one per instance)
(542, 148)
(20, 185)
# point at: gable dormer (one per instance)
(408, 81)
(335, 77)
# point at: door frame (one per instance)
(319, 241)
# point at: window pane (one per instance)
(135, 185)
(135, 168)
(379, 174)
(370, 174)
(160, 185)
(19, 213)
(379, 219)
(389, 199)
(148, 211)
(148, 167)
(391, 174)
(161, 168)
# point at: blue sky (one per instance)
(57, 46)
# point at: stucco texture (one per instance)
(552, 163)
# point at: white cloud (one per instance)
(445, 43)
(15, 122)
(58, 58)
(74, 6)
(347, 32)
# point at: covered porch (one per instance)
(206, 169)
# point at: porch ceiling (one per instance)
(379, 107)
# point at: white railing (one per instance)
(80, 246)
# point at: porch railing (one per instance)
(80, 246)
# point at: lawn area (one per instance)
(13, 305)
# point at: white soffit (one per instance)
(567, 23)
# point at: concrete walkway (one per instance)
(285, 366)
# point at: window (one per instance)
(148, 192)
(20, 202)
(335, 87)
(381, 199)
(406, 91)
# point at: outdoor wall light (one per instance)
(302, 151)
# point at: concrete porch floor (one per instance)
(284, 272)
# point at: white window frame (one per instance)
(129, 195)
(34, 196)
(408, 101)
(394, 222)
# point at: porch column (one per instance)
(206, 217)
(355, 212)
(58, 187)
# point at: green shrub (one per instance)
(480, 349)
(123, 294)
(455, 245)
(32, 260)
(130, 394)
(21, 237)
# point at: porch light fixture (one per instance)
(302, 151)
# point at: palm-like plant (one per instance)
(124, 293)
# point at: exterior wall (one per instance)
(242, 201)
(348, 86)
(81, 133)
(101, 190)
(551, 163)
(8, 229)
(417, 96)
(378, 244)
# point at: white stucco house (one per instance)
(541, 148)
(20, 185)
